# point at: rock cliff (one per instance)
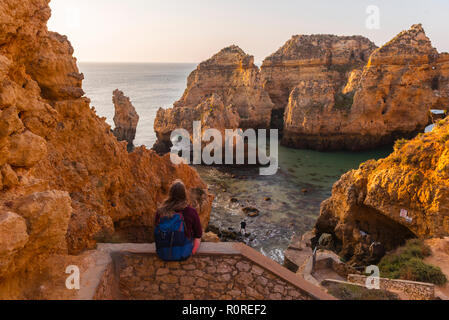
(393, 199)
(224, 92)
(125, 119)
(319, 64)
(373, 101)
(324, 92)
(65, 180)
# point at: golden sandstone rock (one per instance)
(387, 98)
(26, 149)
(125, 119)
(9, 176)
(13, 236)
(403, 196)
(325, 92)
(224, 92)
(211, 112)
(63, 173)
(318, 61)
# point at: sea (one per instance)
(288, 202)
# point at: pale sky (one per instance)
(193, 30)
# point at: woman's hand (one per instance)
(196, 245)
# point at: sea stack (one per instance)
(125, 119)
(354, 106)
(224, 92)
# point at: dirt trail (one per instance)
(440, 258)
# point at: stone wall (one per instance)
(414, 290)
(220, 271)
(204, 277)
(107, 288)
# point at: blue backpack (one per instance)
(171, 242)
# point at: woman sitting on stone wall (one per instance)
(178, 229)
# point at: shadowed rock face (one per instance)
(125, 119)
(63, 174)
(224, 92)
(365, 107)
(403, 196)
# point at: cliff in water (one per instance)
(318, 64)
(323, 92)
(224, 92)
(125, 119)
(368, 100)
(65, 180)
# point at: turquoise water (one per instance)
(304, 180)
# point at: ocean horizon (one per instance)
(150, 86)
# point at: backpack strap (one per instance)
(181, 216)
(171, 245)
(183, 220)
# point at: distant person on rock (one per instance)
(178, 229)
(243, 227)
